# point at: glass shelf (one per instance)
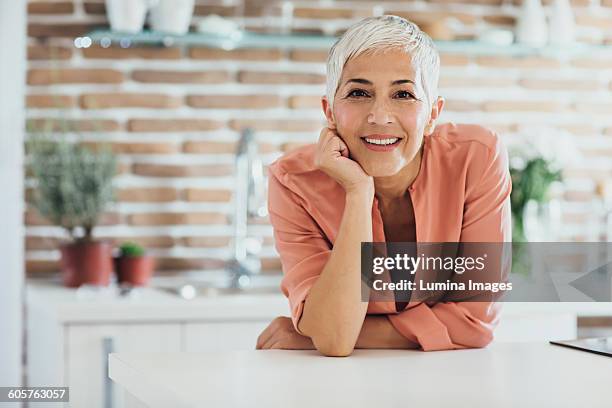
(244, 39)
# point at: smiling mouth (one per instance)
(382, 142)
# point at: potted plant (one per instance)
(73, 186)
(537, 159)
(133, 266)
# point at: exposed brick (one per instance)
(289, 146)
(207, 242)
(608, 131)
(172, 125)
(581, 129)
(305, 102)
(606, 3)
(518, 62)
(422, 17)
(308, 31)
(50, 101)
(73, 76)
(171, 218)
(453, 59)
(447, 81)
(271, 265)
(181, 77)
(144, 148)
(32, 217)
(500, 19)
(63, 30)
(267, 241)
(327, 13)
(146, 241)
(239, 54)
(52, 52)
(148, 194)
(234, 101)
(561, 84)
(171, 170)
(280, 125)
(258, 77)
(485, 2)
(461, 106)
(79, 125)
(128, 100)
(220, 10)
(599, 21)
(265, 148)
(308, 55)
(34, 243)
(148, 53)
(595, 107)
(45, 7)
(207, 195)
(583, 196)
(522, 106)
(593, 63)
(199, 264)
(94, 7)
(41, 267)
(576, 3)
(206, 147)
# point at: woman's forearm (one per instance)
(334, 312)
(377, 332)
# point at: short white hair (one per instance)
(378, 34)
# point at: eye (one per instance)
(357, 93)
(405, 94)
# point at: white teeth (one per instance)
(382, 141)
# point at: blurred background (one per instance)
(150, 123)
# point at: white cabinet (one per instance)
(69, 338)
(223, 336)
(87, 349)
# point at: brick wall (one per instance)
(174, 114)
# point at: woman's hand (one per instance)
(280, 334)
(332, 157)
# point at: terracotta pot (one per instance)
(86, 263)
(134, 270)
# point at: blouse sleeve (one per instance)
(486, 218)
(302, 246)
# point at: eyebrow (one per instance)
(366, 82)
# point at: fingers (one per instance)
(264, 337)
(270, 342)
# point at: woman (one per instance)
(382, 171)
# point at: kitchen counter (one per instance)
(501, 375)
(68, 305)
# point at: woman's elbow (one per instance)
(479, 340)
(331, 346)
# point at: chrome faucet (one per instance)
(249, 202)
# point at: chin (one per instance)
(382, 171)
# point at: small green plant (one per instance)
(73, 183)
(131, 250)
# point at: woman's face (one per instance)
(380, 111)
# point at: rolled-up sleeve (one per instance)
(302, 246)
(486, 218)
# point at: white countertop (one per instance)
(501, 375)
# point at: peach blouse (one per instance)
(461, 194)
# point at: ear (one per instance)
(327, 110)
(436, 110)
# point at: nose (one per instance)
(380, 113)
